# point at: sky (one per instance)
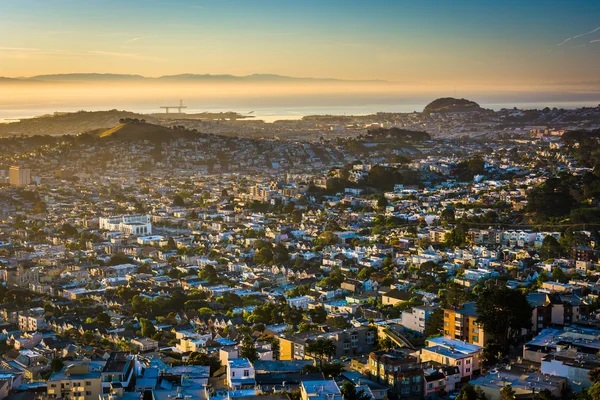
(484, 42)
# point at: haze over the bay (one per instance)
(384, 55)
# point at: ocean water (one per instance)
(290, 107)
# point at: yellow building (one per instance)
(19, 176)
(460, 324)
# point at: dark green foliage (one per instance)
(550, 248)
(468, 392)
(550, 199)
(503, 313)
(435, 324)
(248, 349)
(349, 392)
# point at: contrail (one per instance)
(578, 36)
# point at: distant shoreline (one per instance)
(270, 115)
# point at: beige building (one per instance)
(80, 381)
(19, 176)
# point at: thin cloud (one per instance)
(18, 49)
(112, 53)
(578, 36)
(595, 41)
(135, 39)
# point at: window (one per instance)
(430, 385)
(468, 362)
(459, 363)
(88, 383)
(417, 378)
(88, 393)
(233, 374)
(468, 370)
(476, 338)
(475, 330)
(540, 318)
(446, 324)
(346, 346)
(447, 315)
(246, 372)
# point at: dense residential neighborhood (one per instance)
(392, 264)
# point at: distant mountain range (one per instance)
(97, 77)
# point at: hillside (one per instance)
(450, 104)
(184, 78)
(139, 130)
(68, 123)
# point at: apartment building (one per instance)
(460, 323)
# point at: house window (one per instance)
(468, 362)
(458, 363)
(346, 346)
(475, 330)
(430, 385)
(88, 383)
(233, 374)
(468, 370)
(476, 338)
(246, 372)
(88, 393)
(417, 378)
(540, 318)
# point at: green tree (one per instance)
(321, 348)
(507, 393)
(56, 365)
(318, 315)
(350, 392)
(434, 326)
(468, 392)
(248, 349)
(558, 275)
(178, 201)
(147, 328)
(326, 238)
(503, 312)
(550, 248)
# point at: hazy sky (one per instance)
(429, 41)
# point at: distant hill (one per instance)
(140, 130)
(68, 123)
(98, 77)
(450, 104)
(92, 77)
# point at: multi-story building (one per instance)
(19, 176)
(79, 380)
(320, 390)
(130, 224)
(240, 373)
(416, 318)
(32, 323)
(466, 357)
(348, 342)
(551, 309)
(400, 371)
(118, 371)
(460, 323)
